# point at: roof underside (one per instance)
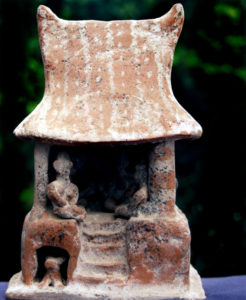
(108, 82)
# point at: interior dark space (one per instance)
(45, 253)
(107, 176)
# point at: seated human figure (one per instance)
(53, 274)
(63, 193)
(134, 198)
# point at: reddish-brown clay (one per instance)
(53, 275)
(108, 81)
(47, 230)
(159, 250)
(116, 225)
(63, 193)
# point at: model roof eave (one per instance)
(108, 82)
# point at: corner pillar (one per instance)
(41, 164)
(159, 240)
(162, 179)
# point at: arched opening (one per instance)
(60, 257)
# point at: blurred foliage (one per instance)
(208, 79)
(26, 197)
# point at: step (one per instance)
(120, 244)
(106, 233)
(94, 278)
(114, 226)
(106, 268)
(106, 248)
(103, 221)
(101, 217)
(104, 252)
(111, 261)
(104, 239)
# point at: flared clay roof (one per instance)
(108, 82)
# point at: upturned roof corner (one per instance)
(108, 82)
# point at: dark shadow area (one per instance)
(105, 175)
(43, 253)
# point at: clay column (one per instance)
(162, 180)
(28, 244)
(41, 161)
(160, 236)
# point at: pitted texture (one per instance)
(108, 81)
(159, 250)
(111, 230)
(63, 193)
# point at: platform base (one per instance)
(18, 290)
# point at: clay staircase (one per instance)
(104, 251)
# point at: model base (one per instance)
(75, 291)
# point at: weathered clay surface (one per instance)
(103, 254)
(150, 251)
(44, 231)
(53, 275)
(108, 81)
(42, 228)
(64, 194)
(107, 230)
(138, 198)
(159, 250)
(101, 291)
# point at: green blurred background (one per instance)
(208, 79)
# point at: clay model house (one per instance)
(104, 223)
